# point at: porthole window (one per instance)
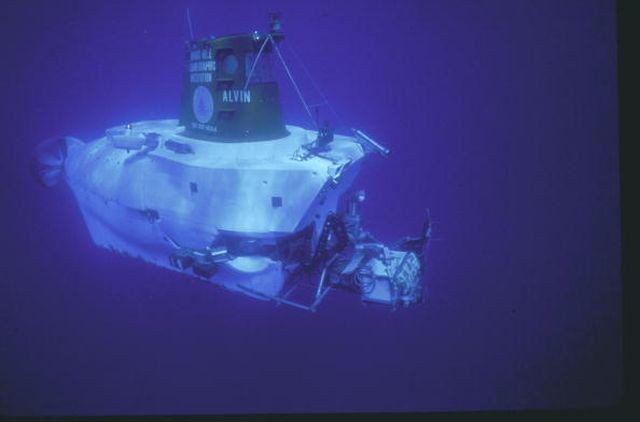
(230, 64)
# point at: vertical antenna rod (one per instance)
(189, 22)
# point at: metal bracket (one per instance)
(320, 293)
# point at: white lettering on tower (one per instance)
(236, 96)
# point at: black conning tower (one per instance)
(218, 104)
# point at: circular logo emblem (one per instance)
(202, 104)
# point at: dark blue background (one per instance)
(501, 117)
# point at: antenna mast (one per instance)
(189, 23)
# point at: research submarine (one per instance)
(230, 194)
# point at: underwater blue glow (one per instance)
(501, 118)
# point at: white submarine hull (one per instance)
(145, 190)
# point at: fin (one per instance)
(47, 163)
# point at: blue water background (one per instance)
(502, 119)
